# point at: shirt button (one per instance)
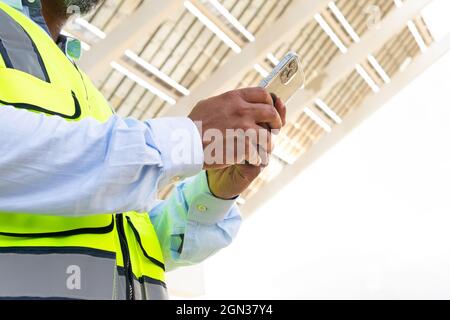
(202, 208)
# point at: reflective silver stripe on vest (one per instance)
(139, 293)
(17, 49)
(155, 289)
(120, 288)
(146, 289)
(155, 292)
(57, 275)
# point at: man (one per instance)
(78, 210)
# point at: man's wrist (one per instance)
(204, 207)
(216, 195)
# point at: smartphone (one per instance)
(286, 79)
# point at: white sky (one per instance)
(370, 219)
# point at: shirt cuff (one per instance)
(180, 146)
(204, 207)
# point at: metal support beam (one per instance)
(148, 79)
(298, 14)
(218, 22)
(344, 64)
(368, 107)
(145, 19)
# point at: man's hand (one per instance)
(223, 120)
(230, 182)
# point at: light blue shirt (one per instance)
(51, 166)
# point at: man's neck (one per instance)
(55, 16)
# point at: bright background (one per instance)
(370, 219)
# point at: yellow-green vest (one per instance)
(108, 256)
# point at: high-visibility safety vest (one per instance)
(108, 256)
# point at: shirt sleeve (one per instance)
(192, 224)
(52, 166)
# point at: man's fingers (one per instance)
(266, 114)
(265, 139)
(265, 146)
(256, 95)
(259, 97)
(251, 154)
(264, 155)
(263, 142)
(269, 144)
(281, 108)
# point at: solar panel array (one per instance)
(183, 52)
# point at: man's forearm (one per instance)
(52, 166)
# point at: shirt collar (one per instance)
(32, 8)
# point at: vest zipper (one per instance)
(126, 257)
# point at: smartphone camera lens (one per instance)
(293, 66)
(290, 73)
(285, 76)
